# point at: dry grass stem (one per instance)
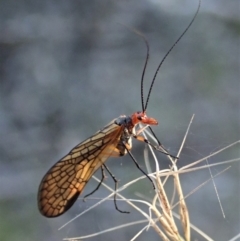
(160, 214)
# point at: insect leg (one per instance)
(116, 187)
(159, 143)
(136, 163)
(164, 151)
(99, 184)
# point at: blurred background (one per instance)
(68, 67)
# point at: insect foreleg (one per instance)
(99, 184)
(164, 151)
(116, 187)
(136, 163)
(159, 143)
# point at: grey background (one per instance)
(68, 67)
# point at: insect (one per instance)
(66, 180)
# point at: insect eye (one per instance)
(139, 117)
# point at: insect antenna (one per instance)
(144, 69)
(146, 60)
(168, 52)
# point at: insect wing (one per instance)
(65, 180)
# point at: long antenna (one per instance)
(165, 56)
(144, 69)
(146, 60)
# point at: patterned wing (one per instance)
(65, 180)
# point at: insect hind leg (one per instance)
(116, 187)
(101, 181)
(99, 184)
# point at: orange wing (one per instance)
(65, 180)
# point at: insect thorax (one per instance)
(125, 138)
